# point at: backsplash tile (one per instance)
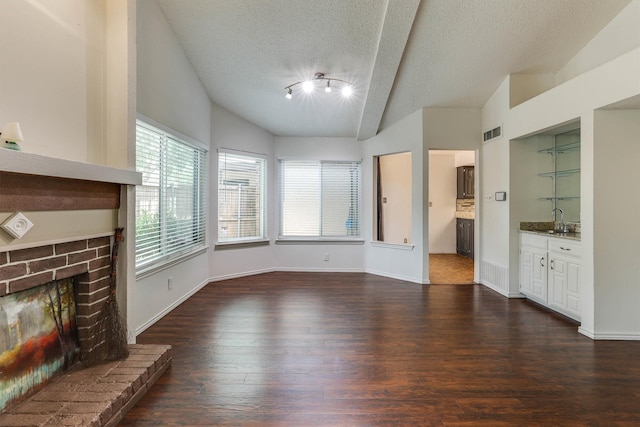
(465, 205)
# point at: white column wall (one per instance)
(169, 92)
(616, 213)
(397, 261)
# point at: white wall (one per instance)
(442, 201)
(43, 77)
(452, 129)
(311, 257)
(465, 158)
(232, 132)
(616, 214)
(170, 93)
(576, 99)
(397, 261)
(621, 35)
(395, 173)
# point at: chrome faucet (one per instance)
(560, 227)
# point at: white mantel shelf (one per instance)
(35, 164)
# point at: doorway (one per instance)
(451, 216)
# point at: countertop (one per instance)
(466, 214)
(547, 233)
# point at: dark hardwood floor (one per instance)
(293, 349)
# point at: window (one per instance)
(319, 199)
(170, 203)
(241, 196)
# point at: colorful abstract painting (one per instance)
(38, 338)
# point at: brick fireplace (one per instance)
(36, 185)
(86, 260)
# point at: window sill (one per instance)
(239, 244)
(297, 241)
(400, 246)
(152, 269)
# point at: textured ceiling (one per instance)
(401, 55)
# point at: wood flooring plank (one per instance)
(334, 349)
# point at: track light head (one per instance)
(309, 85)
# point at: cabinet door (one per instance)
(465, 182)
(564, 285)
(533, 273)
(464, 237)
(460, 174)
(459, 236)
(469, 182)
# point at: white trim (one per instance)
(242, 153)
(502, 292)
(320, 159)
(36, 164)
(318, 241)
(399, 246)
(163, 263)
(239, 275)
(319, 270)
(398, 277)
(613, 336)
(166, 129)
(55, 241)
(237, 244)
(170, 308)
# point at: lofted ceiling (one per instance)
(400, 55)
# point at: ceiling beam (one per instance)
(396, 28)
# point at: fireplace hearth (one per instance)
(111, 388)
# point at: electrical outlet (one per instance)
(326, 257)
(405, 240)
(170, 283)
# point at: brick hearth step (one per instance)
(94, 397)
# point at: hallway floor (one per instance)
(450, 269)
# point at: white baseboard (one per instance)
(243, 274)
(398, 277)
(319, 270)
(167, 310)
(611, 336)
(495, 288)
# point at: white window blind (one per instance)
(241, 196)
(170, 203)
(319, 199)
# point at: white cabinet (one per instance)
(550, 272)
(564, 277)
(533, 267)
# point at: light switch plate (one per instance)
(17, 225)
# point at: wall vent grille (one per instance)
(494, 275)
(493, 133)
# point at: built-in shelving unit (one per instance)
(565, 173)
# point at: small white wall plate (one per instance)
(17, 225)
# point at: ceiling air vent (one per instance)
(493, 133)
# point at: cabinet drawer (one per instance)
(565, 247)
(533, 240)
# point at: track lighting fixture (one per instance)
(309, 86)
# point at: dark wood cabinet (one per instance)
(464, 237)
(465, 182)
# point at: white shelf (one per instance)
(35, 164)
